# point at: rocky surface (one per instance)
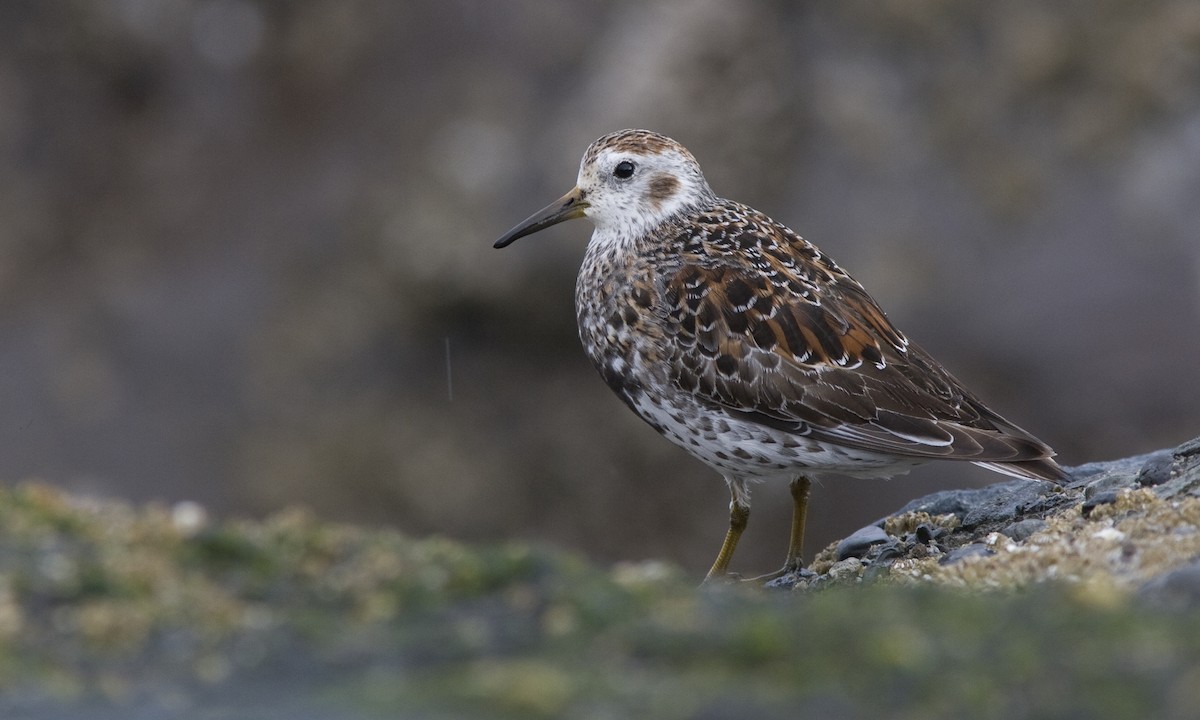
(1133, 523)
(1085, 596)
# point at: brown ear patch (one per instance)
(661, 188)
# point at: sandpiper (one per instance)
(747, 346)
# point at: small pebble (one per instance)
(860, 541)
(845, 569)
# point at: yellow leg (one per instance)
(739, 515)
(795, 555)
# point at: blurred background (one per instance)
(245, 245)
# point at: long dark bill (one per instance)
(567, 207)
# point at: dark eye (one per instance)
(623, 170)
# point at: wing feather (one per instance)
(763, 325)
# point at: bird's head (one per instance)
(629, 182)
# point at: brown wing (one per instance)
(779, 335)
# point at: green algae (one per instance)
(103, 605)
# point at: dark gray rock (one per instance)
(1156, 471)
(1110, 483)
(1006, 504)
(1097, 472)
(1024, 495)
(925, 533)
(860, 541)
(1182, 475)
(1022, 529)
(994, 504)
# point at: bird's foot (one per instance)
(789, 568)
(732, 578)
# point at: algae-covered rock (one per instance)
(1124, 525)
(109, 611)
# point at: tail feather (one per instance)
(1037, 469)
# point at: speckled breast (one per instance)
(620, 314)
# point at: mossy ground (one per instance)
(112, 611)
